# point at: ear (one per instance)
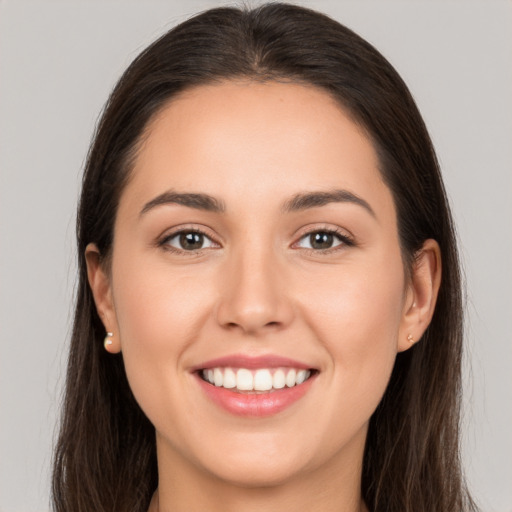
(101, 288)
(421, 294)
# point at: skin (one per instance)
(257, 288)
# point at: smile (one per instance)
(261, 380)
(254, 386)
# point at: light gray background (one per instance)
(58, 62)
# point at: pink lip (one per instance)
(253, 404)
(251, 362)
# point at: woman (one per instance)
(261, 319)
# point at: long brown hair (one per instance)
(105, 457)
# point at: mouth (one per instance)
(255, 386)
(261, 380)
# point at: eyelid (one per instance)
(346, 238)
(162, 240)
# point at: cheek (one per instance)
(159, 314)
(356, 313)
(156, 307)
(360, 304)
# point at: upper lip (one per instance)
(252, 362)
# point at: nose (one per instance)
(255, 298)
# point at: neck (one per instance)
(335, 487)
(249, 502)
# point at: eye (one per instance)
(322, 240)
(189, 241)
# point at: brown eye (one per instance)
(189, 241)
(322, 240)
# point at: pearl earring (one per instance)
(107, 342)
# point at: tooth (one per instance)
(262, 380)
(244, 380)
(218, 378)
(290, 378)
(278, 380)
(229, 378)
(301, 376)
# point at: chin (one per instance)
(250, 475)
(254, 467)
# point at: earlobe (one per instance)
(422, 294)
(99, 282)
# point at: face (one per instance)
(256, 287)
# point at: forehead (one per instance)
(254, 140)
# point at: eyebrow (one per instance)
(298, 202)
(308, 200)
(191, 200)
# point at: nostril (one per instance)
(253, 312)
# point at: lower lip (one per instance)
(255, 404)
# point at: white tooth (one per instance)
(301, 376)
(290, 378)
(209, 376)
(278, 380)
(218, 378)
(229, 378)
(262, 380)
(244, 380)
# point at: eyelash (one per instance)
(164, 242)
(346, 241)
